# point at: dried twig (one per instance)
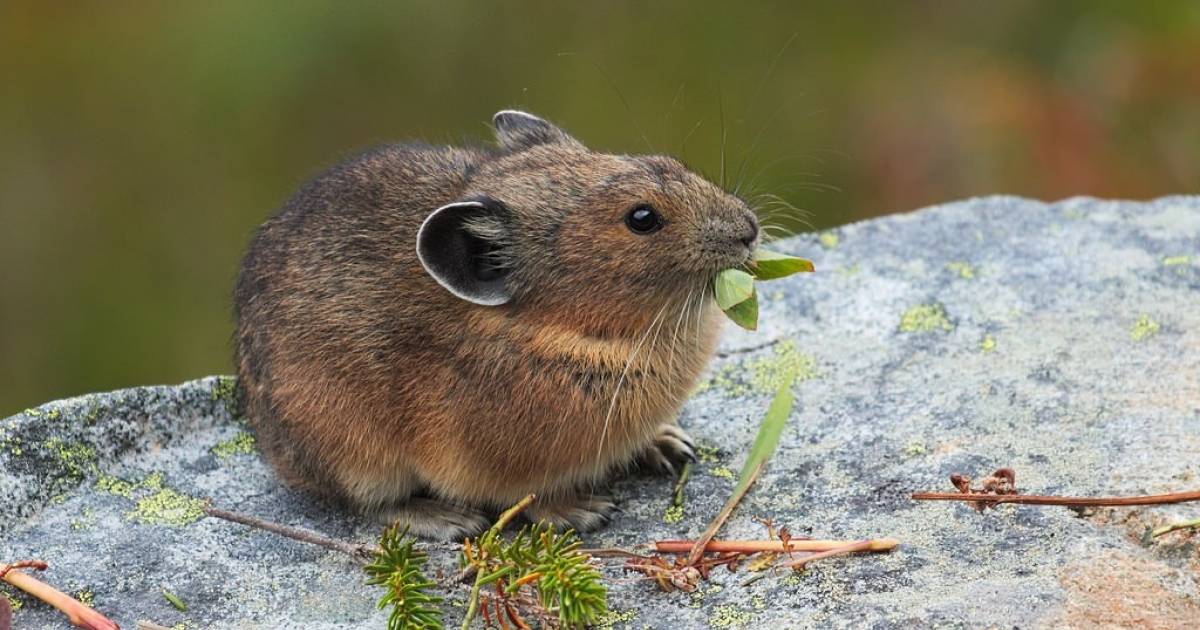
(862, 545)
(360, 552)
(1036, 499)
(505, 517)
(1001, 487)
(748, 349)
(612, 552)
(80, 616)
(699, 546)
(756, 546)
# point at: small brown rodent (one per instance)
(431, 333)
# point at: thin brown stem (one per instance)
(79, 615)
(1035, 499)
(757, 546)
(481, 575)
(612, 552)
(698, 548)
(360, 552)
(862, 545)
(749, 349)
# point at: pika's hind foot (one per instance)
(436, 520)
(672, 447)
(583, 513)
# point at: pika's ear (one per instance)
(518, 130)
(462, 246)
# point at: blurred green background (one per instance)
(140, 143)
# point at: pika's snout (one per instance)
(749, 234)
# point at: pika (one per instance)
(427, 334)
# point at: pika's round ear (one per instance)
(517, 130)
(461, 246)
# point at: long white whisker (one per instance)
(612, 405)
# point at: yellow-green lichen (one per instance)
(730, 617)
(925, 318)
(707, 454)
(156, 503)
(240, 444)
(759, 602)
(33, 413)
(914, 448)
(988, 343)
(829, 240)
(721, 471)
(764, 374)
(165, 506)
(115, 486)
(1143, 328)
(1171, 261)
(77, 459)
(86, 597)
(613, 617)
(85, 521)
(673, 514)
(962, 268)
(225, 390)
(795, 578)
(15, 601)
(852, 270)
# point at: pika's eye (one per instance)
(643, 219)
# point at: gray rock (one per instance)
(1062, 340)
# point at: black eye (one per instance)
(643, 219)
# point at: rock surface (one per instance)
(1062, 340)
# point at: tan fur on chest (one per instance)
(561, 407)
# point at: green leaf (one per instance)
(732, 287)
(175, 601)
(745, 313)
(768, 265)
(769, 431)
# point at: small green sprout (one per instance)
(734, 288)
(174, 600)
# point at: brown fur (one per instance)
(370, 383)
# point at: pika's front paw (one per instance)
(672, 447)
(583, 513)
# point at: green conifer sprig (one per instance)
(544, 562)
(397, 568)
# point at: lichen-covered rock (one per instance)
(1062, 340)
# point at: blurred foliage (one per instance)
(140, 143)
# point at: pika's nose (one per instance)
(750, 235)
